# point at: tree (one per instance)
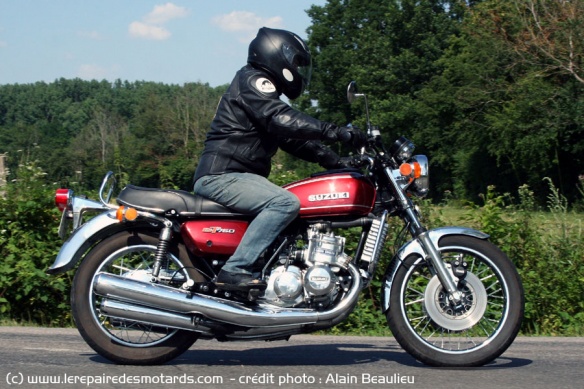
(548, 34)
(490, 118)
(444, 74)
(534, 118)
(393, 50)
(389, 47)
(148, 133)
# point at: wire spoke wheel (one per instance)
(470, 332)
(130, 254)
(436, 320)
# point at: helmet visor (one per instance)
(298, 61)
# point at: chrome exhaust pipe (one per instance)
(126, 311)
(164, 298)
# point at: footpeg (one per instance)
(254, 294)
(242, 286)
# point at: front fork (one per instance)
(420, 233)
(446, 277)
(433, 256)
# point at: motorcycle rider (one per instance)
(250, 124)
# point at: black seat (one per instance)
(170, 201)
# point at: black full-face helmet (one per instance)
(285, 56)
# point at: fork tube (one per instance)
(441, 270)
(419, 232)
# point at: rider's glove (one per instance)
(352, 136)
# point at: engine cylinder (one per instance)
(325, 249)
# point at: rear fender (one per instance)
(95, 230)
(414, 247)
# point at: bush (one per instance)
(548, 250)
(28, 245)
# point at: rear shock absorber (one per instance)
(160, 257)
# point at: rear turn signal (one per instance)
(126, 214)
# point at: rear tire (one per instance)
(130, 254)
(429, 328)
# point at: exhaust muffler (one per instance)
(127, 311)
(178, 306)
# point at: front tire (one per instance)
(475, 332)
(130, 254)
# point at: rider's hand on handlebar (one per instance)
(352, 135)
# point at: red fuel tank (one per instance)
(213, 237)
(334, 194)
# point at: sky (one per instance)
(172, 42)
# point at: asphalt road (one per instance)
(59, 358)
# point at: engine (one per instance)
(311, 276)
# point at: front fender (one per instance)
(415, 247)
(84, 237)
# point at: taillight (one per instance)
(63, 198)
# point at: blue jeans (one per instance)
(274, 208)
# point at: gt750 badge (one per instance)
(219, 230)
(328, 196)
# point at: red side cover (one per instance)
(213, 237)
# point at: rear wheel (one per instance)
(475, 331)
(130, 254)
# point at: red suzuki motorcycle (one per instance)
(144, 289)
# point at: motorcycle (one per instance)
(144, 289)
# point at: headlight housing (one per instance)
(421, 185)
(402, 149)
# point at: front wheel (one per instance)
(475, 331)
(130, 254)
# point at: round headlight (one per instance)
(402, 149)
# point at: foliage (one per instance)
(548, 250)
(148, 133)
(547, 33)
(445, 74)
(388, 47)
(28, 245)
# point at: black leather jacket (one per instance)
(251, 123)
